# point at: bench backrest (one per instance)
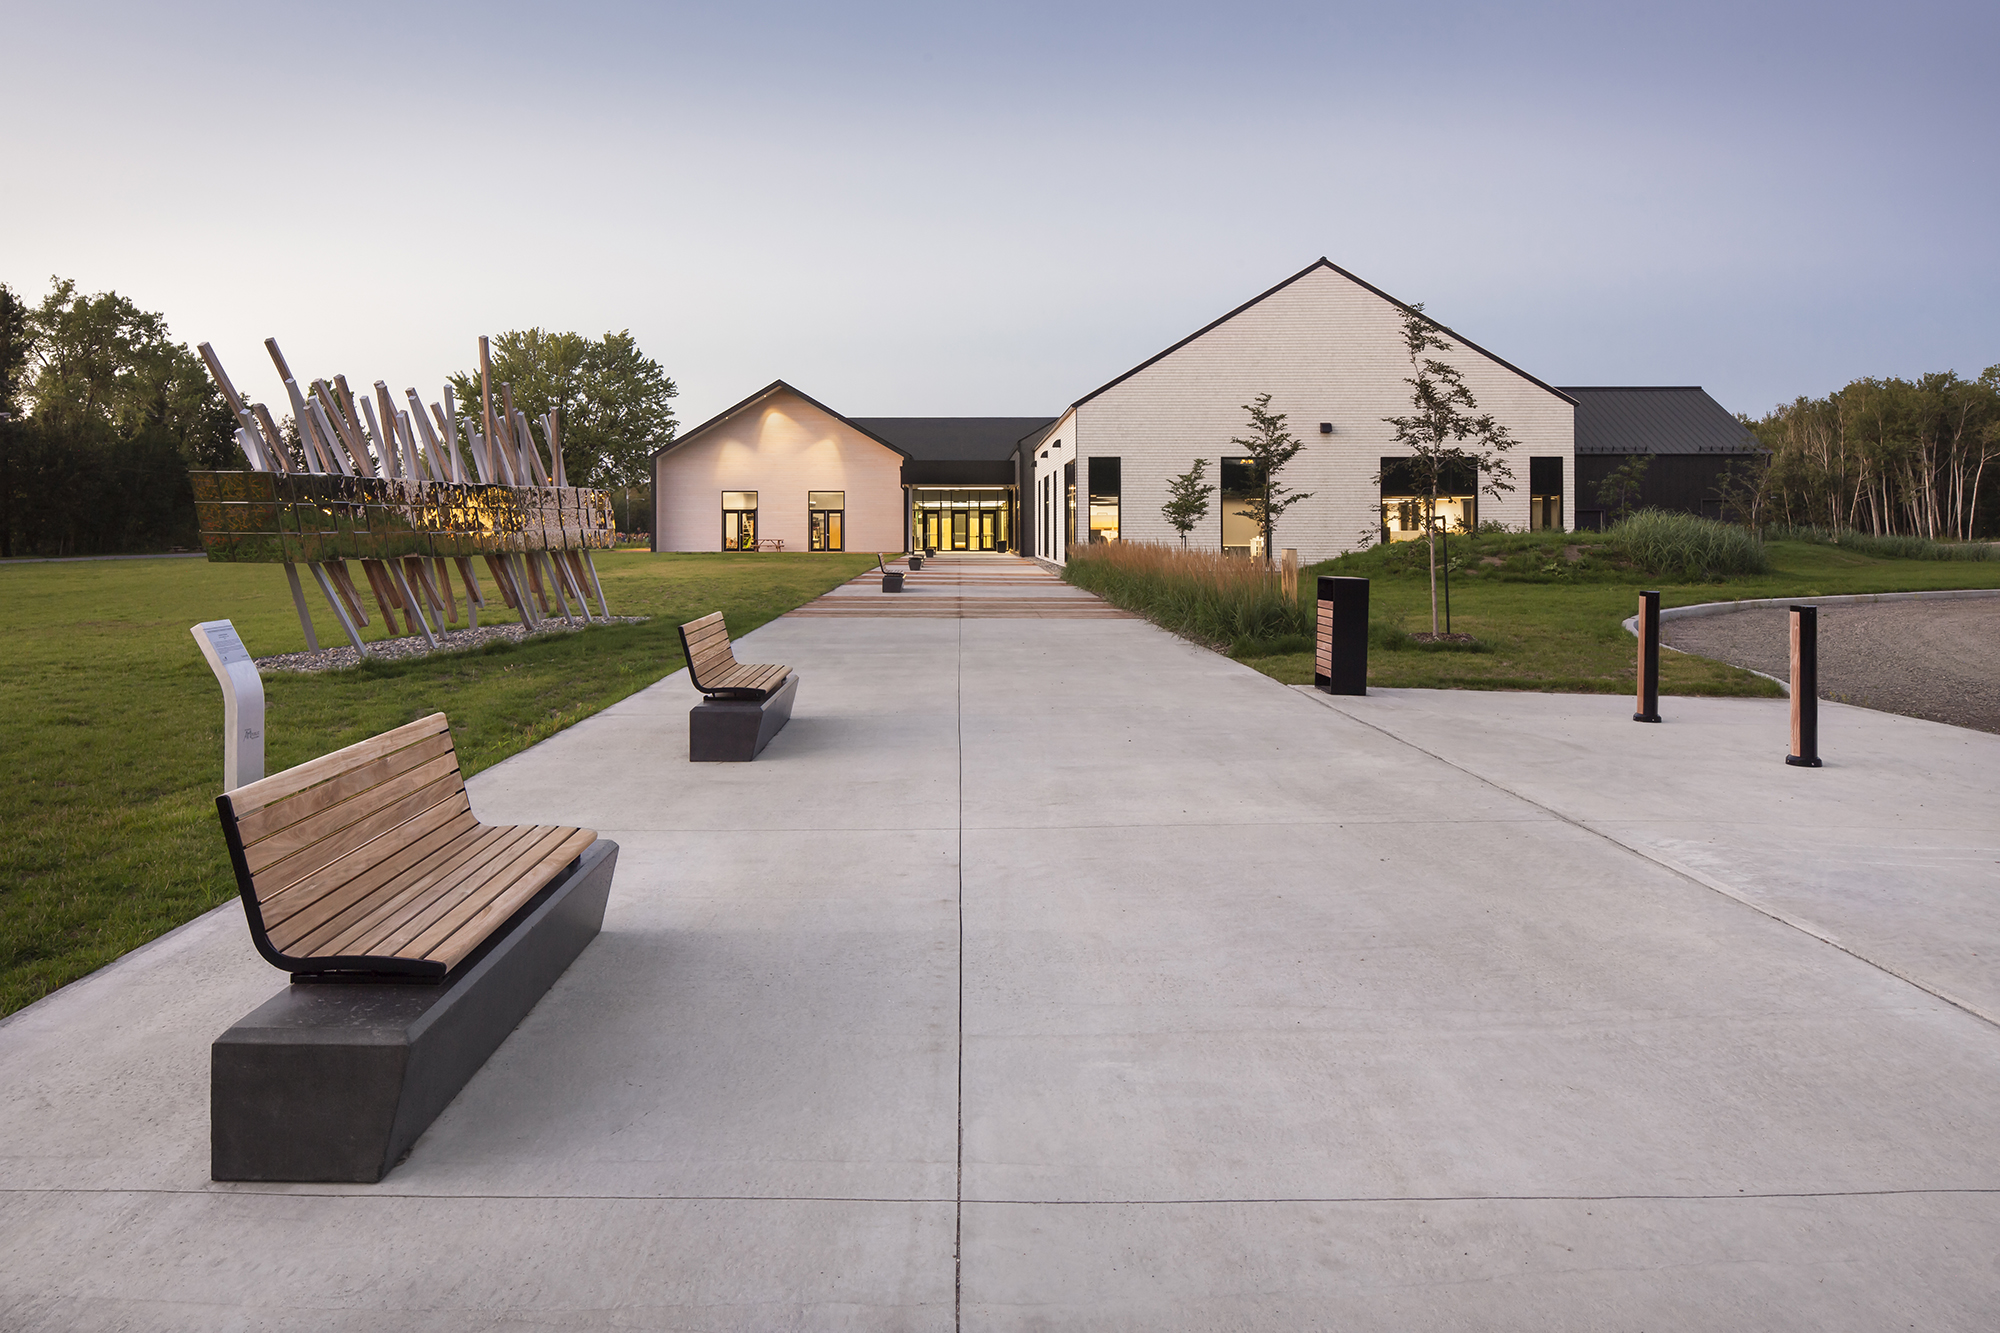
(312, 841)
(706, 643)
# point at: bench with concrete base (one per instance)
(746, 705)
(367, 868)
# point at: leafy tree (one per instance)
(612, 399)
(14, 348)
(1619, 491)
(1270, 447)
(1442, 435)
(1187, 500)
(108, 413)
(1888, 456)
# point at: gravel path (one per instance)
(413, 645)
(1937, 660)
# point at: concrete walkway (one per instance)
(1053, 973)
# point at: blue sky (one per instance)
(969, 209)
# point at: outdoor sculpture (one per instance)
(380, 485)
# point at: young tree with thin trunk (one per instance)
(1620, 490)
(1187, 500)
(1270, 447)
(1442, 434)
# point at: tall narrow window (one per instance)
(739, 520)
(826, 520)
(1545, 493)
(1106, 482)
(1069, 507)
(1241, 483)
(1049, 515)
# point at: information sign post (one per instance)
(242, 702)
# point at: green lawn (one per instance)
(1545, 622)
(111, 723)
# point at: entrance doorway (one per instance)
(970, 519)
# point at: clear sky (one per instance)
(991, 209)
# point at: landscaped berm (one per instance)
(1048, 969)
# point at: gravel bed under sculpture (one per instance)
(413, 645)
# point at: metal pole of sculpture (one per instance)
(379, 485)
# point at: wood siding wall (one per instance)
(781, 448)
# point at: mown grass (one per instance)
(111, 723)
(1890, 547)
(1546, 610)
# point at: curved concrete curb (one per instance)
(1842, 599)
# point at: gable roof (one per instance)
(955, 439)
(1321, 263)
(1656, 419)
(775, 386)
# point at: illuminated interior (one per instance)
(739, 520)
(1403, 515)
(826, 520)
(1106, 486)
(1240, 483)
(976, 518)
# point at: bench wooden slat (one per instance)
(315, 926)
(297, 872)
(291, 810)
(285, 842)
(501, 876)
(497, 909)
(390, 913)
(421, 912)
(257, 795)
(371, 859)
(296, 912)
(713, 667)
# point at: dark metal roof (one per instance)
(953, 439)
(1320, 263)
(1665, 419)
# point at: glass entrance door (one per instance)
(961, 526)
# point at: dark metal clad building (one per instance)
(1689, 437)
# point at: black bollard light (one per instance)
(1805, 688)
(1649, 658)
(1340, 659)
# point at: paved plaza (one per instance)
(1049, 972)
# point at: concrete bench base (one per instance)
(334, 1081)
(737, 730)
(892, 581)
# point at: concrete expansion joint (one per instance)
(1683, 872)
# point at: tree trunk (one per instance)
(1431, 541)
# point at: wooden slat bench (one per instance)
(713, 667)
(369, 861)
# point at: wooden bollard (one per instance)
(1649, 658)
(1340, 660)
(1805, 688)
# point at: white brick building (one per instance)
(1325, 345)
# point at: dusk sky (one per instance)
(992, 209)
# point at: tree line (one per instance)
(103, 415)
(1883, 456)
